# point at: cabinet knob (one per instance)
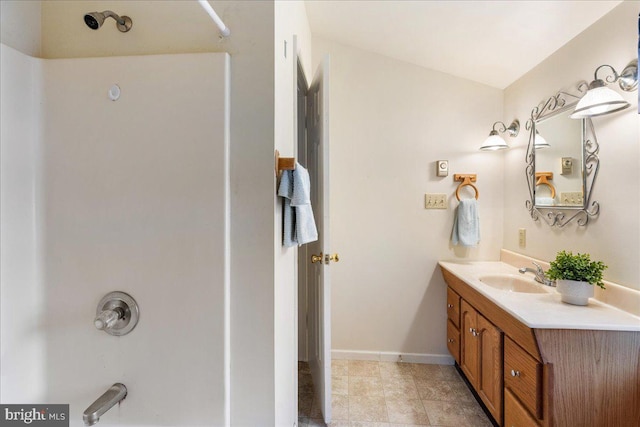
(451, 340)
(515, 373)
(450, 305)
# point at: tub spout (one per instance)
(115, 394)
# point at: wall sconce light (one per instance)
(600, 100)
(494, 141)
(540, 142)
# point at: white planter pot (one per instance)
(574, 292)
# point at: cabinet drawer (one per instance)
(453, 341)
(523, 376)
(453, 307)
(514, 413)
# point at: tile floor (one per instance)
(384, 394)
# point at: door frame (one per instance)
(302, 252)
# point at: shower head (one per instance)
(94, 20)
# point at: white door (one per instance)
(302, 261)
(319, 279)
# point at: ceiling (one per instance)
(491, 42)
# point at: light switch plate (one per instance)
(442, 167)
(571, 198)
(435, 201)
(522, 237)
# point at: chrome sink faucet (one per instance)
(540, 277)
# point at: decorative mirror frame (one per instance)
(560, 216)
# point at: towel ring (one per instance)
(466, 180)
(542, 179)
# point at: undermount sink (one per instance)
(512, 283)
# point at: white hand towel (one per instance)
(299, 223)
(466, 224)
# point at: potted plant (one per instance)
(576, 276)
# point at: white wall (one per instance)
(390, 122)
(614, 237)
(103, 202)
(290, 20)
(135, 200)
(20, 25)
(22, 339)
(168, 26)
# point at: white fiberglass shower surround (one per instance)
(102, 195)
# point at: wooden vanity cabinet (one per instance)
(550, 377)
(453, 324)
(487, 353)
(481, 357)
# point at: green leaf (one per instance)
(568, 266)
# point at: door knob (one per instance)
(326, 258)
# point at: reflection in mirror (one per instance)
(562, 161)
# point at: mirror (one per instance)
(562, 161)
(558, 161)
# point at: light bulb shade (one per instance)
(599, 101)
(540, 142)
(493, 143)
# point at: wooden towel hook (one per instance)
(542, 178)
(284, 163)
(465, 179)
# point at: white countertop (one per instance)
(544, 310)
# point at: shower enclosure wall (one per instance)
(102, 195)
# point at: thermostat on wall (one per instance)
(567, 166)
(442, 167)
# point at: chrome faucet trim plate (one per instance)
(117, 314)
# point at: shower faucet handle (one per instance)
(117, 314)
(108, 318)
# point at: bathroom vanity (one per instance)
(535, 361)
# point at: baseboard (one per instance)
(386, 356)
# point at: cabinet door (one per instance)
(469, 358)
(490, 380)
